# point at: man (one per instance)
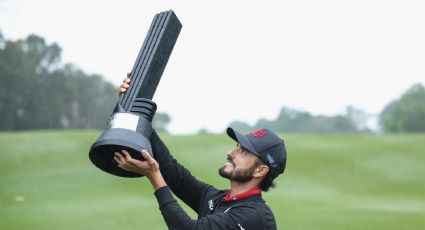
(258, 158)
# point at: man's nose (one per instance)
(230, 152)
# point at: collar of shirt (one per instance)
(243, 195)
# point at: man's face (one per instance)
(240, 165)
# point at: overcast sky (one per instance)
(243, 60)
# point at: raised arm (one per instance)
(179, 179)
(187, 187)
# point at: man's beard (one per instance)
(238, 175)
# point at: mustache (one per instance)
(229, 159)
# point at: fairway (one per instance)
(331, 182)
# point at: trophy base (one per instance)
(102, 152)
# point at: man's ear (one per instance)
(261, 171)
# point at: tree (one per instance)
(241, 126)
(160, 121)
(406, 114)
(37, 93)
(358, 117)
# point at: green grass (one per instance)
(331, 182)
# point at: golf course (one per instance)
(331, 182)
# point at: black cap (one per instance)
(266, 145)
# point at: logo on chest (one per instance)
(210, 204)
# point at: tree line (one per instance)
(38, 91)
(405, 114)
(294, 121)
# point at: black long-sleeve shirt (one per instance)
(207, 201)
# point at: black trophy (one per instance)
(130, 123)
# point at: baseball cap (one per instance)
(266, 145)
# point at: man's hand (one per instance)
(145, 168)
(124, 85)
(148, 168)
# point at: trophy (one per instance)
(129, 127)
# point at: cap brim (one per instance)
(241, 139)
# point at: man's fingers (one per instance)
(119, 158)
(126, 80)
(147, 156)
(127, 155)
(152, 162)
(124, 85)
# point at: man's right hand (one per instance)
(124, 85)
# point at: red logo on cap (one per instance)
(259, 133)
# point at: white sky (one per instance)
(243, 60)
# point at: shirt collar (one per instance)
(243, 195)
